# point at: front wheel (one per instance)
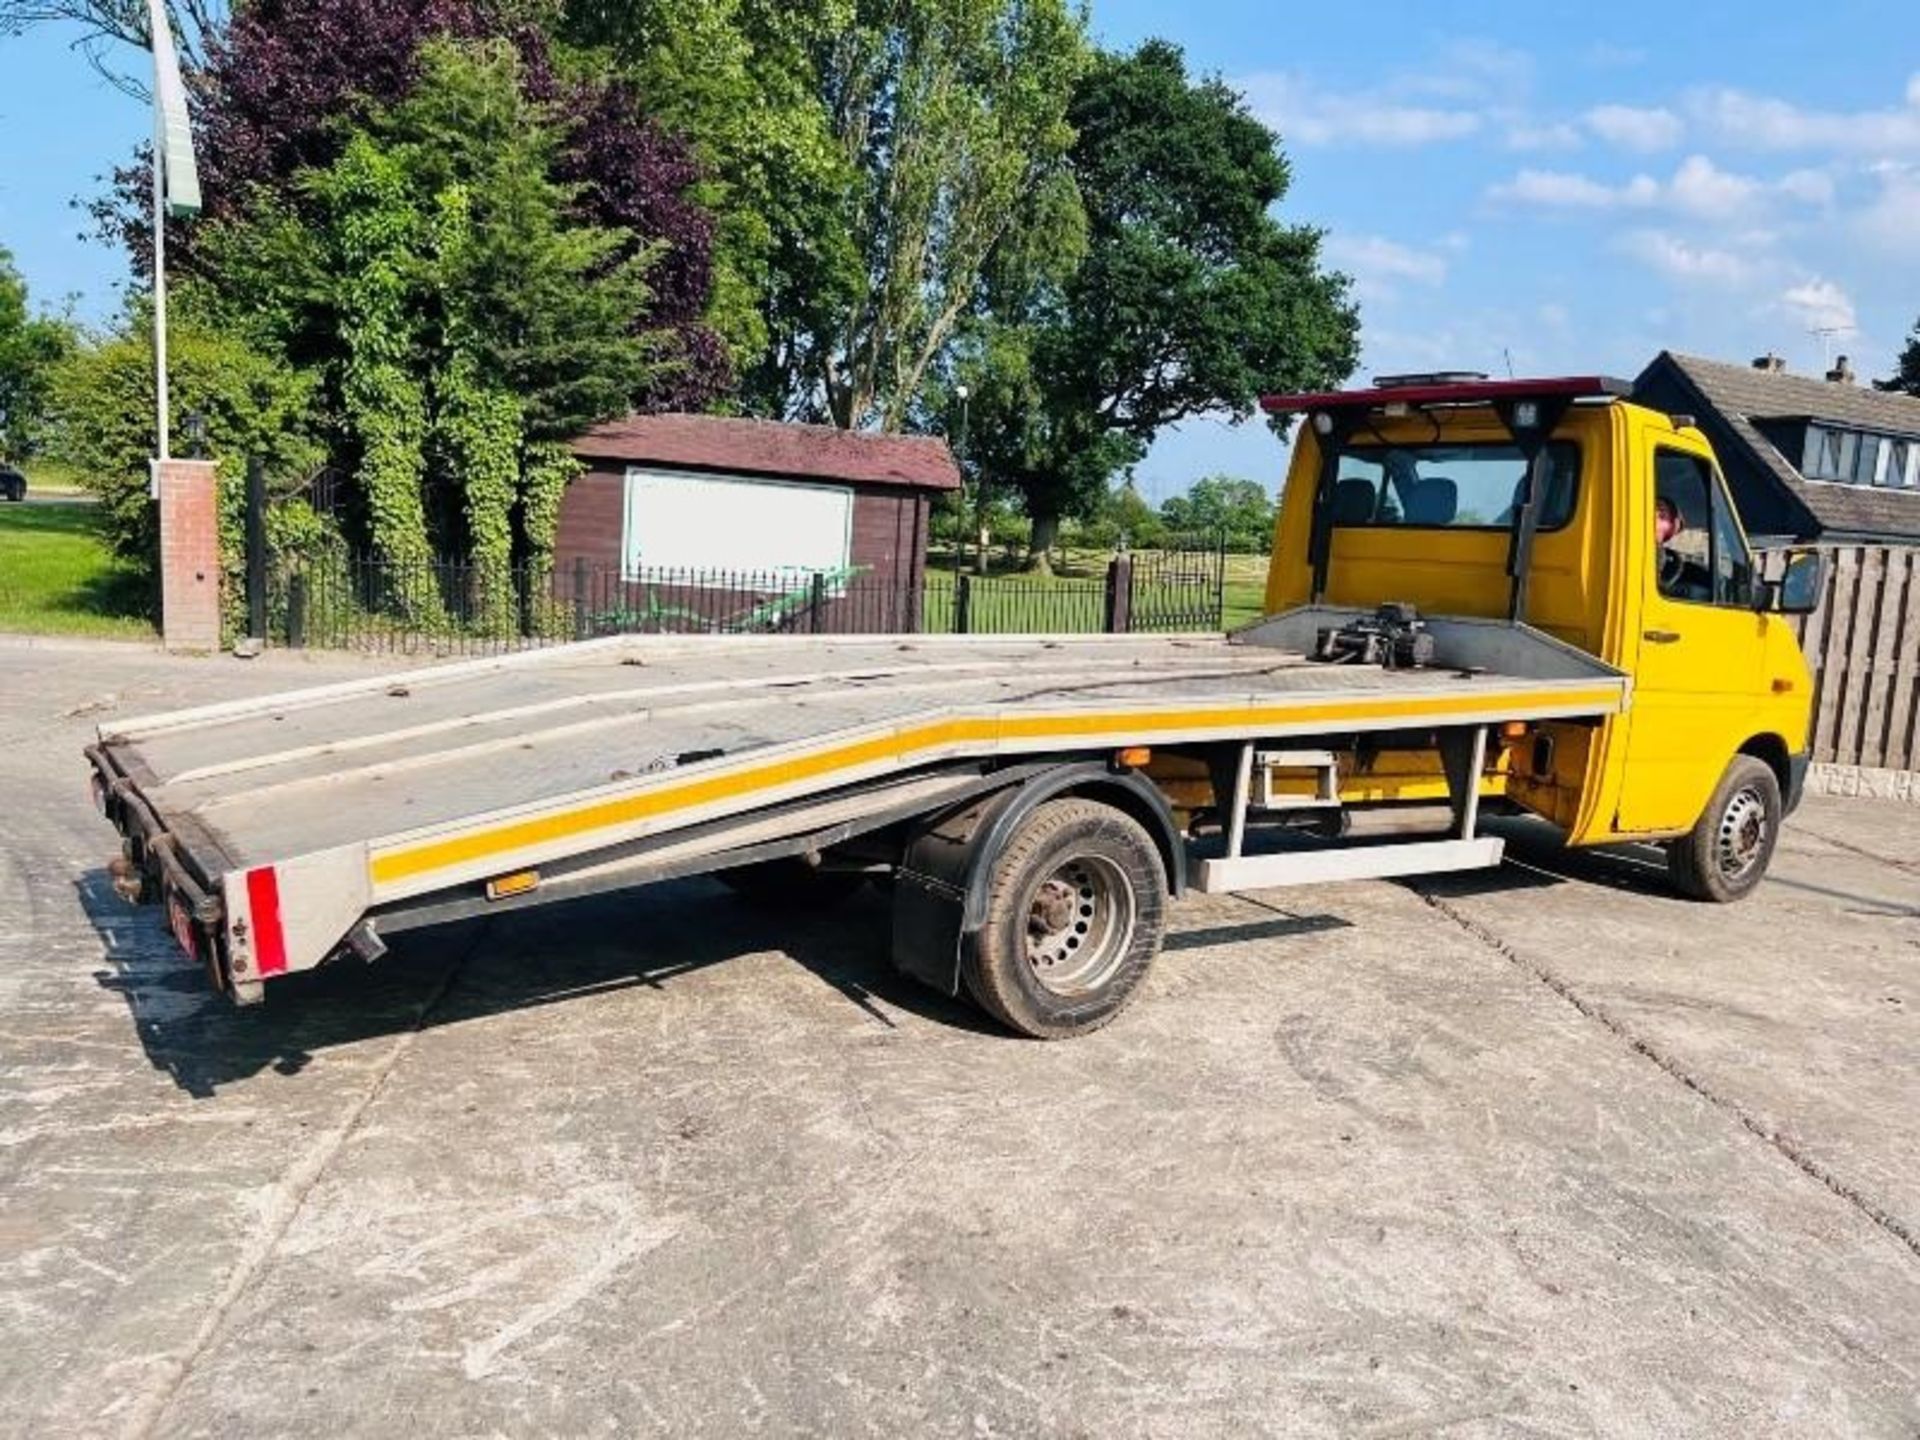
(1075, 912)
(1727, 852)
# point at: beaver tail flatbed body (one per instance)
(283, 830)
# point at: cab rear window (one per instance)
(1449, 487)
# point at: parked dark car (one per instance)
(13, 485)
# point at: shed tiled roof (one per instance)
(765, 447)
(1742, 394)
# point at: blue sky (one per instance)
(1565, 187)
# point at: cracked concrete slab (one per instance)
(660, 1163)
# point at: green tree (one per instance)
(1906, 376)
(740, 79)
(465, 322)
(1193, 298)
(100, 421)
(31, 346)
(1133, 519)
(871, 159)
(1238, 511)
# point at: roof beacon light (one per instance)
(1416, 392)
(1427, 379)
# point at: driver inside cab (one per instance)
(1684, 567)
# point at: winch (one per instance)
(1394, 636)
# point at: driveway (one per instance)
(1546, 1151)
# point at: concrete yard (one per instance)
(1541, 1152)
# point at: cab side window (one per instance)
(1683, 526)
(1732, 564)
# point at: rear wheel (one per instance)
(1075, 912)
(791, 882)
(1727, 852)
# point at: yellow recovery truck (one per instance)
(1534, 594)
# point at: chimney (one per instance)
(1771, 363)
(1841, 373)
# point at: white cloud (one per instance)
(1469, 70)
(1563, 190)
(1765, 123)
(1553, 135)
(1378, 264)
(1892, 220)
(1679, 259)
(1635, 128)
(1380, 256)
(1814, 187)
(1819, 304)
(1698, 188)
(1306, 115)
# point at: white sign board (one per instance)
(734, 524)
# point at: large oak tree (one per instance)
(1193, 298)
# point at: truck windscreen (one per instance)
(1450, 486)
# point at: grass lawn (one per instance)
(57, 578)
(46, 478)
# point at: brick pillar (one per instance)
(189, 554)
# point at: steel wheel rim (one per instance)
(1080, 923)
(1742, 838)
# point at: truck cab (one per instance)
(1607, 525)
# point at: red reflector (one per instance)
(263, 898)
(181, 922)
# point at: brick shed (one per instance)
(686, 497)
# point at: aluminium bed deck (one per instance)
(415, 782)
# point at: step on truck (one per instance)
(1530, 595)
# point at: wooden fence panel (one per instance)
(1828, 653)
(1863, 644)
(1903, 711)
(1856, 705)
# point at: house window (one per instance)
(1902, 466)
(1854, 457)
(1866, 465)
(1826, 457)
(716, 529)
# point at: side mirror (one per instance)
(1803, 580)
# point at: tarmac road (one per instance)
(1546, 1151)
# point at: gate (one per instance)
(1181, 587)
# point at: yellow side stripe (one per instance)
(900, 746)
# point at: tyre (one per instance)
(791, 883)
(1728, 850)
(1075, 912)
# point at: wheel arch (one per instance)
(941, 887)
(1772, 749)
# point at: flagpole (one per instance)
(176, 192)
(159, 246)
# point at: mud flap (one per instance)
(930, 895)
